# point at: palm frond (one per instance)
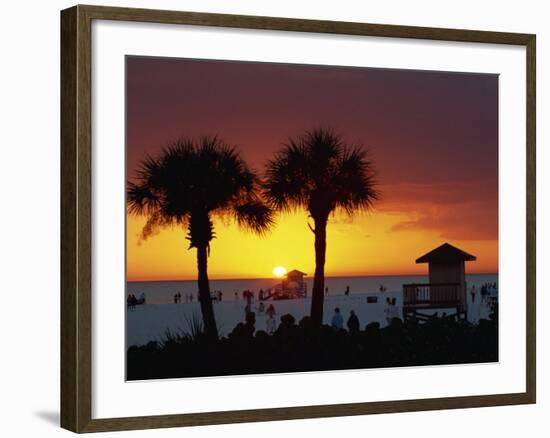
(255, 216)
(286, 180)
(155, 223)
(196, 178)
(355, 181)
(141, 200)
(319, 172)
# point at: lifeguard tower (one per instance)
(447, 283)
(292, 286)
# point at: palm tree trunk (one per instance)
(205, 300)
(318, 292)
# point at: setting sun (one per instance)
(279, 271)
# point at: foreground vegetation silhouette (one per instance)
(189, 184)
(306, 347)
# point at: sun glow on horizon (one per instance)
(366, 245)
(279, 271)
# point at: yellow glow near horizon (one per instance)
(279, 271)
(366, 245)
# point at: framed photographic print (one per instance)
(258, 212)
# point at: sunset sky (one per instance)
(433, 138)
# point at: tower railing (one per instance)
(432, 294)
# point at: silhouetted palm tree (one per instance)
(320, 173)
(187, 185)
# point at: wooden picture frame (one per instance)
(76, 173)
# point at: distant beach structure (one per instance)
(447, 283)
(292, 286)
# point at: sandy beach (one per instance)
(150, 322)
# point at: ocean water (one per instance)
(162, 292)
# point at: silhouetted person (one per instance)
(346, 293)
(337, 320)
(251, 320)
(484, 293)
(387, 310)
(353, 322)
(326, 290)
(131, 301)
(270, 323)
(393, 309)
(473, 292)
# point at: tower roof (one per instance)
(446, 253)
(295, 272)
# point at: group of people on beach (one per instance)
(352, 323)
(215, 296)
(337, 321)
(132, 301)
(486, 290)
(247, 295)
(189, 297)
(269, 312)
(347, 291)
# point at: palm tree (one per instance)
(318, 172)
(189, 184)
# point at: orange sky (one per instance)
(432, 136)
(384, 242)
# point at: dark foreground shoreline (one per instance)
(298, 347)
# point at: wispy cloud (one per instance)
(455, 210)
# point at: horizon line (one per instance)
(307, 276)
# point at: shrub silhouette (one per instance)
(307, 347)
